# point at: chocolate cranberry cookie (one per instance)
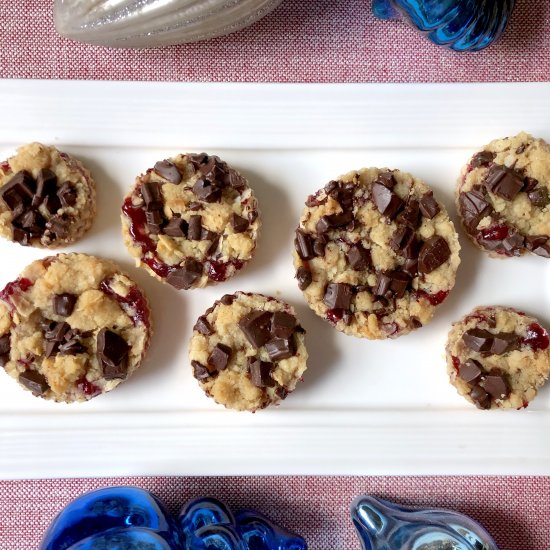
(191, 220)
(247, 351)
(503, 197)
(497, 357)
(72, 327)
(47, 197)
(375, 253)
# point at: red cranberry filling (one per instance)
(217, 271)
(434, 299)
(5, 166)
(335, 315)
(537, 338)
(495, 233)
(17, 286)
(456, 362)
(134, 301)
(87, 387)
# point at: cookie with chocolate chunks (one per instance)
(498, 357)
(375, 253)
(47, 198)
(90, 326)
(248, 351)
(191, 220)
(503, 197)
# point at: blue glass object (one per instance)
(128, 518)
(457, 24)
(383, 525)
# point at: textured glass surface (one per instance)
(382, 525)
(458, 24)
(128, 518)
(152, 23)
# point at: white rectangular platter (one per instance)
(363, 407)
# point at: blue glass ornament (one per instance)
(383, 525)
(458, 24)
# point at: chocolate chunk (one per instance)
(195, 228)
(256, 326)
(63, 304)
(386, 179)
(168, 170)
(51, 347)
(59, 226)
(512, 244)
(504, 342)
(207, 191)
(57, 331)
(478, 339)
(32, 222)
(529, 183)
(331, 186)
(67, 194)
(219, 357)
(433, 254)
(480, 397)
(19, 189)
(282, 392)
(333, 221)
(72, 347)
(404, 241)
(521, 149)
(391, 284)
(238, 223)
(282, 324)
(410, 215)
(203, 326)
(304, 245)
(280, 348)
(34, 381)
(151, 193)
(495, 384)
(304, 278)
(410, 267)
(5, 345)
(46, 184)
(185, 276)
(22, 237)
(197, 159)
(482, 159)
(207, 235)
(260, 373)
(153, 217)
(429, 206)
(200, 372)
(358, 257)
(176, 227)
(504, 182)
(4, 360)
(473, 208)
(112, 353)
(539, 197)
(470, 371)
(387, 202)
(338, 296)
(319, 245)
(252, 216)
(194, 206)
(234, 180)
(539, 245)
(52, 204)
(211, 167)
(213, 245)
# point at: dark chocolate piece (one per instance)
(358, 257)
(63, 304)
(529, 183)
(51, 347)
(504, 182)
(283, 324)
(207, 235)
(57, 331)
(338, 296)
(52, 204)
(319, 245)
(480, 397)
(482, 158)
(473, 208)
(256, 326)
(282, 392)
(538, 244)
(391, 284)
(433, 254)
(252, 216)
(184, 277)
(470, 371)
(219, 357)
(404, 241)
(478, 339)
(46, 184)
(72, 347)
(333, 221)
(504, 342)
(238, 223)
(67, 194)
(59, 226)
(410, 267)
(32, 222)
(5, 345)
(539, 197)
(34, 381)
(207, 191)
(152, 195)
(280, 348)
(195, 206)
(387, 202)
(227, 299)
(168, 170)
(304, 278)
(304, 245)
(153, 217)
(495, 384)
(203, 326)
(386, 179)
(19, 189)
(200, 372)
(4, 359)
(112, 353)
(260, 373)
(176, 227)
(521, 149)
(20, 236)
(429, 206)
(410, 215)
(235, 180)
(194, 230)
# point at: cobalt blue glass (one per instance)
(383, 525)
(458, 24)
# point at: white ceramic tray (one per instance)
(364, 407)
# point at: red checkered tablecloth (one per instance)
(301, 41)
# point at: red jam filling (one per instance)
(5, 166)
(456, 362)
(434, 299)
(87, 387)
(217, 271)
(133, 303)
(495, 233)
(15, 287)
(335, 315)
(537, 338)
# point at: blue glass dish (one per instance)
(458, 24)
(128, 518)
(383, 525)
